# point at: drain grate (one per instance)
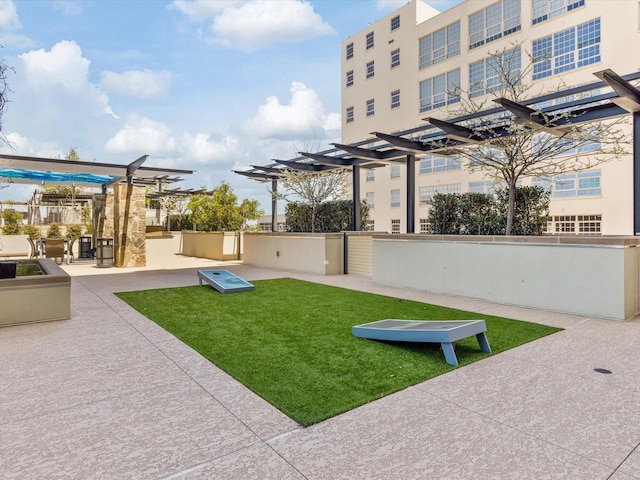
(602, 370)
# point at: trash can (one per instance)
(8, 269)
(85, 247)
(104, 252)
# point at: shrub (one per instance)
(54, 231)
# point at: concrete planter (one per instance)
(214, 245)
(37, 298)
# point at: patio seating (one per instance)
(35, 248)
(55, 248)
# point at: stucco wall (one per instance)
(594, 277)
(213, 245)
(320, 253)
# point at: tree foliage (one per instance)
(527, 152)
(220, 210)
(333, 216)
(314, 188)
(12, 222)
(485, 214)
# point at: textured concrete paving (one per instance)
(110, 395)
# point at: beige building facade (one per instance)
(399, 70)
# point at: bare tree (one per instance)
(315, 187)
(507, 149)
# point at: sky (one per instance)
(205, 85)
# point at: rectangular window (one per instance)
(371, 107)
(370, 199)
(370, 175)
(439, 45)
(589, 224)
(395, 23)
(395, 198)
(572, 48)
(395, 225)
(369, 40)
(425, 226)
(395, 99)
(486, 76)
(349, 50)
(581, 184)
(370, 69)
(439, 91)
(350, 116)
(395, 58)
(426, 193)
(395, 171)
(432, 164)
(543, 10)
(349, 78)
(482, 187)
(494, 22)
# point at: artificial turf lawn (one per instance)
(290, 341)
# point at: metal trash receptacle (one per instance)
(85, 247)
(104, 252)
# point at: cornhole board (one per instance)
(442, 332)
(224, 281)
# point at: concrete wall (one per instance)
(595, 277)
(360, 253)
(320, 253)
(14, 246)
(213, 245)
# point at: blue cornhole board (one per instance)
(224, 281)
(442, 332)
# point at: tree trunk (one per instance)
(313, 218)
(510, 207)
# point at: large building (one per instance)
(401, 69)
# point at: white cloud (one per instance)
(302, 118)
(144, 84)
(204, 148)
(9, 16)
(70, 8)
(143, 136)
(257, 24)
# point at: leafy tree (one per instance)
(69, 191)
(220, 210)
(313, 188)
(334, 216)
(528, 152)
(444, 214)
(54, 231)
(12, 222)
(478, 214)
(531, 209)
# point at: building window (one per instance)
(543, 10)
(370, 200)
(439, 45)
(439, 91)
(395, 58)
(371, 225)
(395, 170)
(350, 116)
(370, 175)
(395, 225)
(395, 198)
(575, 225)
(494, 22)
(370, 69)
(431, 164)
(369, 41)
(589, 224)
(395, 99)
(581, 184)
(572, 48)
(349, 50)
(349, 78)
(395, 23)
(371, 107)
(425, 226)
(486, 76)
(482, 187)
(427, 193)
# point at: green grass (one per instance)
(290, 341)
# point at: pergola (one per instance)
(566, 108)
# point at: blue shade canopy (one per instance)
(55, 177)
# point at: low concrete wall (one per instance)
(320, 253)
(596, 277)
(213, 245)
(37, 298)
(14, 246)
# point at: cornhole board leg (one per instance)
(449, 353)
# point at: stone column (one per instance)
(129, 226)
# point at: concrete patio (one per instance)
(110, 395)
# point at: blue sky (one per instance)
(207, 85)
